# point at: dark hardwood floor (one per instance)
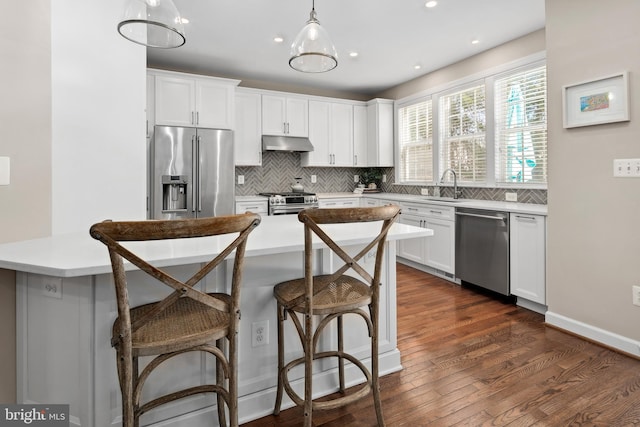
(473, 360)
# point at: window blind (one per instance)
(416, 142)
(521, 127)
(462, 134)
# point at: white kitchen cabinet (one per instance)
(331, 133)
(380, 132)
(248, 128)
(339, 202)
(368, 202)
(527, 256)
(195, 101)
(360, 136)
(437, 251)
(259, 207)
(285, 115)
(151, 104)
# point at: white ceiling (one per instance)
(234, 38)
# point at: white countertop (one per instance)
(77, 254)
(524, 208)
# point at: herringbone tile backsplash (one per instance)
(279, 170)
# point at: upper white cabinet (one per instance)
(331, 133)
(527, 256)
(248, 128)
(188, 100)
(380, 132)
(360, 136)
(285, 115)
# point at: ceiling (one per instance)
(234, 38)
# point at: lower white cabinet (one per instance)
(527, 253)
(255, 206)
(437, 251)
(342, 202)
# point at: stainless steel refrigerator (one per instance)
(192, 173)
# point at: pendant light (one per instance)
(312, 50)
(153, 23)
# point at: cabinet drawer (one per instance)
(430, 210)
(260, 207)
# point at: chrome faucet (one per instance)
(455, 182)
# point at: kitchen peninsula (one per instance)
(66, 305)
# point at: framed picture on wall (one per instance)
(594, 102)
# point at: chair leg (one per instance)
(308, 370)
(276, 409)
(220, 380)
(341, 350)
(126, 377)
(375, 384)
(233, 380)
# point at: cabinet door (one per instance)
(319, 116)
(380, 123)
(297, 117)
(248, 128)
(367, 202)
(360, 149)
(273, 115)
(412, 249)
(175, 101)
(527, 252)
(440, 250)
(341, 138)
(214, 105)
(339, 203)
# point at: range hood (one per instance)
(286, 143)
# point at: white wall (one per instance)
(594, 224)
(98, 104)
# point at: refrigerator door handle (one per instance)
(198, 174)
(194, 166)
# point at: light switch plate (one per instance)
(5, 170)
(626, 168)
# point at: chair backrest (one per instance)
(314, 218)
(111, 233)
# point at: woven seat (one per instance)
(331, 296)
(186, 320)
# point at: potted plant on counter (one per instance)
(371, 177)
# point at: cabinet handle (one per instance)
(530, 218)
(413, 209)
(197, 117)
(355, 159)
(193, 120)
(436, 212)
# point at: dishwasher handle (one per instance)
(497, 218)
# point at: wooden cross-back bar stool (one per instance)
(332, 296)
(186, 320)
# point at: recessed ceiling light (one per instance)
(475, 41)
(353, 54)
(278, 39)
(431, 3)
(417, 67)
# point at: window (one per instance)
(491, 130)
(521, 127)
(463, 145)
(416, 142)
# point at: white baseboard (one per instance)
(593, 333)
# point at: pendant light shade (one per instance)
(312, 50)
(153, 23)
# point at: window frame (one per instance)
(488, 78)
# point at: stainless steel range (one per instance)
(290, 203)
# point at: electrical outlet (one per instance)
(314, 179)
(356, 178)
(511, 197)
(52, 287)
(384, 177)
(240, 179)
(424, 191)
(636, 295)
(260, 333)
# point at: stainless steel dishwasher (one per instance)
(482, 248)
